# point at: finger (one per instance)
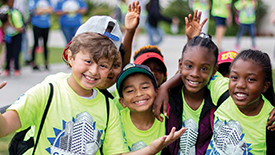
(129, 7)
(186, 22)
(138, 9)
(179, 133)
(204, 21)
(157, 112)
(165, 107)
(3, 84)
(190, 17)
(272, 113)
(171, 134)
(271, 127)
(195, 14)
(133, 6)
(199, 16)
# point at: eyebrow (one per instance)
(193, 62)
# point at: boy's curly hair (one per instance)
(96, 44)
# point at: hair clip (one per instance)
(203, 35)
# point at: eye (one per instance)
(204, 68)
(145, 87)
(88, 61)
(103, 66)
(232, 77)
(188, 66)
(251, 79)
(129, 91)
(116, 66)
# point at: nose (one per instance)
(93, 69)
(241, 84)
(195, 72)
(139, 93)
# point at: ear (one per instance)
(121, 101)
(70, 57)
(180, 65)
(214, 70)
(266, 86)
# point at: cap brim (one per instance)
(130, 71)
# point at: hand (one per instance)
(270, 121)
(193, 26)
(132, 16)
(229, 20)
(158, 144)
(161, 100)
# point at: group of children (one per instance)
(214, 114)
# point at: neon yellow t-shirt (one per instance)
(247, 14)
(219, 8)
(15, 21)
(137, 139)
(201, 5)
(72, 122)
(236, 133)
(217, 86)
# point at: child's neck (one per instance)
(194, 100)
(252, 109)
(78, 89)
(143, 120)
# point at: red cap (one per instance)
(226, 56)
(145, 56)
(65, 54)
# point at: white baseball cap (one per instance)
(104, 25)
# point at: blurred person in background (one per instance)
(70, 16)
(41, 22)
(12, 26)
(154, 16)
(221, 11)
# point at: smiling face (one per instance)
(138, 93)
(246, 84)
(197, 66)
(86, 73)
(111, 79)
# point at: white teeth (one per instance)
(240, 95)
(91, 79)
(193, 82)
(139, 101)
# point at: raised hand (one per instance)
(132, 16)
(193, 26)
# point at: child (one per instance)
(137, 86)
(76, 104)
(240, 122)
(12, 25)
(247, 17)
(151, 56)
(224, 61)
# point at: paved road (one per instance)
(171, 48)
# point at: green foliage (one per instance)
(179, 9)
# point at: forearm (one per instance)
(9, 123)
(127, 43)
(82, 11)
(172, 82)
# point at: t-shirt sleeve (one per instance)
(217, 86)
(30, 106)
(114, 141)
(17, 19)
